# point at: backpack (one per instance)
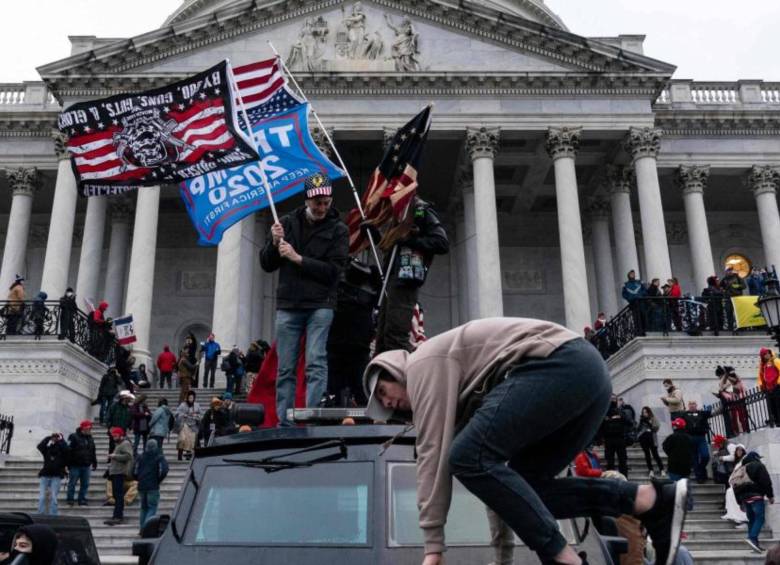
(740, 478)
(225, 365)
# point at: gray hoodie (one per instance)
(439, 376)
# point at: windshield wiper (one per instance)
(274, 463)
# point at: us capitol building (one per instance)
(558, 162)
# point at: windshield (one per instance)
(327, 504)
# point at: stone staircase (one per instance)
(710, 539)
(19, 489)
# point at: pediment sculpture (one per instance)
(355, 45)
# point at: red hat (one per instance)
(719, 440)
(117, 431)
(85, 424)
(678, 424)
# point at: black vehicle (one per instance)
(75, 545)
(319, 495)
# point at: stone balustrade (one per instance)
(743, 93)
(26, 96)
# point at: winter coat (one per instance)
(141, 416)
(82, 450)
(16, 299)
(55, 458)
(210, 349)
(158, 425)
(760, 484)
(679, 450)
(732, 284)
(99, 315)
(428, 238)
(697, 422)
(236, 364)
(166, 361)
(586, 464)
(151, 468)
(44, 545)
(253, 359)
(324, 247)
(68, 304)
(110, 385)
(755, 284)
(613, 428)
(122, 459)
(633, 290)
(188, 415)
(768, 373)
(674, 400)
(119, 416)
(647, 429)
(39, 307)
(186, 369)
(675, 291)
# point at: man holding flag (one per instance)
(309, 247)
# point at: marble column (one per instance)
(23, 183)
(56, 264)
(619, 179)
(602, 254)
(114, 290)
(643, 144)
(693, 180)
(763, 181)
(482, 146)
(91, 258)
(140, 285)
(562, 145)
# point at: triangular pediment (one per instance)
(408, 39)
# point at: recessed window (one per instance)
(739, 263)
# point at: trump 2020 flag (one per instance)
(165, 135)
(289, 156)
(124, 329)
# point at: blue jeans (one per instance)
(291, 325)
(150, 499)
(105, 403)
(529, 428)
(80, 475)
(701, 457)
(48, 486)
(755, 514)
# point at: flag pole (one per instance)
(234, 86)
(335, 151)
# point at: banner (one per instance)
(216, 201)
(746, 312)
(165, 135)
(124, 329)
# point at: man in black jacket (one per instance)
(81, 457)
(751, 483)
(309, 247)
(408, 272)
(67, 315)
(55, 462)
(613, 430)
(679, 451)
(697, 425)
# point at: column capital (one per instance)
(121, 207)
(482, 142)
(598, 209)
(763, 179)
(619, 178)
(60, 145)
(563, 142)
(692, 178)
(23, 180)
(643, 142)
(321, 140)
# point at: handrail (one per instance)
(735, 414)
(53, 318)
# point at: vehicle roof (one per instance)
(56, 522)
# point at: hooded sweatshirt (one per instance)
(439, 376)
(166, 361)
(768, 372)
(44, 544)
(151, 467)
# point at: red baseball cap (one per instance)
(85, 424)
(678, 424)
(117, 431)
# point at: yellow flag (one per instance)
(748, 314)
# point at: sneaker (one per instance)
(113, 521)
(664, 521)
(754, 545)
(740, 527)
(71, 502)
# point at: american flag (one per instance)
(393, 184)
(264, 91)
(165, 135)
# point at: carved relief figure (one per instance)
(374, 46)
(306, 53)
(355, 25)
(405, 49)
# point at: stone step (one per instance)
(731, 533)
(727, 557)
(96, 508)
(106, 559)
(725, 544)
(26, 493)
(703, 523)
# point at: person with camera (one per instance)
(82, 456)
(55, 468)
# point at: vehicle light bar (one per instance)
(326, 415)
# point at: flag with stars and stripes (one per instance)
(393, 184)
(161, 136)
(263, 89)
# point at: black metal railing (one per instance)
(6, 433)
(664, 315)
(38, 319)
(757, 409)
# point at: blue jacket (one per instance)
(158, 425)
(151, 468)
(211, 349)
(633, 290)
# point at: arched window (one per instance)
(739, 263)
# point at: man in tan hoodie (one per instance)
(504, 405)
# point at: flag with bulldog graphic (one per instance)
(161, 136)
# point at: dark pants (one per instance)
(118, 490)
(12, 322)
(395, 318)
(209, 372)
(139, 437)
(650, 448)
(538, 420)
(616, 447)
(158, 439)
(345, 372)
(773, 402)
(165, 376)
(701, 457)
(67, 328)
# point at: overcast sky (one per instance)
(706, 39)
